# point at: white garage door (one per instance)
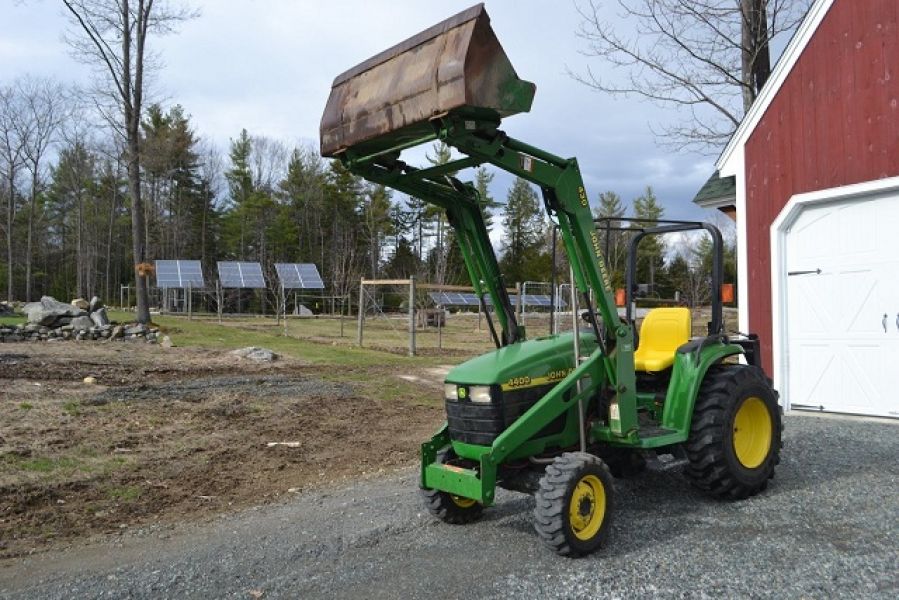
(842, 300)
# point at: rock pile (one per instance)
(50, 320)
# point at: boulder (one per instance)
(99, 316)
(81, 303)
(139, 329)
(255, 353)
(95, 304)
(82, 323)
(48, 310)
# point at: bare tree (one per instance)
(43, 104)
(12, 160)
(707, 59)
(113, 35)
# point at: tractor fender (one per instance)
(691, 363)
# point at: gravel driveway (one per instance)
(827, 527)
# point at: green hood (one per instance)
(533, 362)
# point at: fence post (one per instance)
(412, 315)
(520, 306)
(440, 314)
(361, 312)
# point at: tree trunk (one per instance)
(137, 229)
(30, 239)
(756, 57)
(10, 221)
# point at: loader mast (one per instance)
(559, 179)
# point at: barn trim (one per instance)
(779, 229)
(733, 158)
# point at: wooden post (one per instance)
(342, 309)
(412, 315)
(520, 306)
(361, 322)
(439, 315)
(284, 308)
(190, 302)
(219, 296)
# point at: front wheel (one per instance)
(735, 436)
(449, 508)
(574, 504)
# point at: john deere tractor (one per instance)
(556, 416)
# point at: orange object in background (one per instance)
(619, 297)
(727, 293)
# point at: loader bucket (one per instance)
(388, 100)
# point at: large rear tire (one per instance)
(735, 436)
(574, 504)
(450, 508)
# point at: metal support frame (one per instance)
(566, 199)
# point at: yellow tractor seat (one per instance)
(662, 332)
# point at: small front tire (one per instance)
(574, 504)
(450, 508)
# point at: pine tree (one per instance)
(377, 224)
(482, 180)
(523, 222)
(614, 243)
(650, 254)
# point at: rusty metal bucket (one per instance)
(388, 100)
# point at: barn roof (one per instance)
(717, 191)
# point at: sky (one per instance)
(267, 66)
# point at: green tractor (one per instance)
(556, 416)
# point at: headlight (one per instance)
(479, 393)
(450, 391)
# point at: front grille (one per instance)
(476, 423)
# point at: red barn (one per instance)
(816, 168)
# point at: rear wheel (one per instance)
(735, 437)
(450, 508)
(574, 504)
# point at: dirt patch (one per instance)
(177, 434)
(213, 388)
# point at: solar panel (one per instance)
(303, 276)
(179, 274)
(469, 299)
(454, 299)
(241, 275)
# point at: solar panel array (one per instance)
(469, 299)
(241, 275)
(179, 274)
(302, 276)
(453, 299)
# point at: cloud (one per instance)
(268, 67)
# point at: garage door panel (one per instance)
(861, 303)
(807, 314)
(838, 354)
(813, 379)
(857, 234)
(859, 381)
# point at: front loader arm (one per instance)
(461, 203)
(563, 190)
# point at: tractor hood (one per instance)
(534, 362)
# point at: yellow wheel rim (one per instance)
(752, 432)
(588, 507)
(461, 501)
